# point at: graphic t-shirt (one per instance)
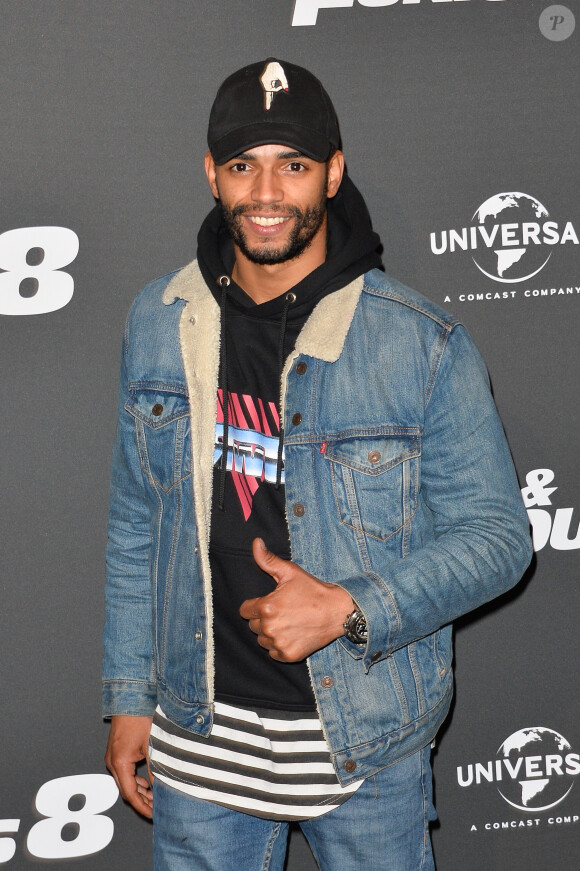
(252, 506)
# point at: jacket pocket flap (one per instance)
(157, 407)
(373, 454)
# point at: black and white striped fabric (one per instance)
(269, 764)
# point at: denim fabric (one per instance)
(399, 487)
(384, 827)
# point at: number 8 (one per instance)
(54, 289)
(95, 832)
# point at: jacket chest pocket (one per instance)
(375, 482)
(162, 426)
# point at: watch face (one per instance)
(360, 626)
(356, 628)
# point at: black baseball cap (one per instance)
(272, 101)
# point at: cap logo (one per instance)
(273, 79)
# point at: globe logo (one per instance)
(510, 238)
(512, 233)
(540, 768)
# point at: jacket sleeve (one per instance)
(481, 542)
(128, 663)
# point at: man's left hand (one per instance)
(301, 615)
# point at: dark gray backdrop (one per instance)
(443, 105)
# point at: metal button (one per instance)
(327, 682)
(198, 635)
(376, 655)
(296, 418)
(301, 367)
(199, 719)
(157, 409)
(299, 510)
(350, 766)
(374, 457)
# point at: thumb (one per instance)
(268, 561)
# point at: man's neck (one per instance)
(263, 282)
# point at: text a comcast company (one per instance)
(529, 293)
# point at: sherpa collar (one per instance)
(322, 336)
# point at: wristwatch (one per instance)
(355, 626)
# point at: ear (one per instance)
(334, 173)
(210, 171)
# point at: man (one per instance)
(310, 483)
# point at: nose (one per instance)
(267, 188)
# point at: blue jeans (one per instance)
(382, 827)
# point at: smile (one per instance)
(266, 222)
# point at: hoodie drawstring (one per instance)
(288, 300)
(224, 283)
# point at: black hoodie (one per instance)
(248, 500)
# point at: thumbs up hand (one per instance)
(300, 615)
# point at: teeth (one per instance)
(267, 222)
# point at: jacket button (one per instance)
(199, 719)
(157, 409)
(374, 457)
(296, 418)
(350, 766)
(299, 510)
(198, 635)
(327, 682)
(376, 655)
(301, 367)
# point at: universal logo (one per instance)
(510, 238)
(306, 11)
(546, 528)
(534, 770)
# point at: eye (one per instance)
(295, 166)
(239, 167)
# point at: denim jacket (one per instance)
(399, 487)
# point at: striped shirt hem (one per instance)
(270, 764)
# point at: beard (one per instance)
(307, 223)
